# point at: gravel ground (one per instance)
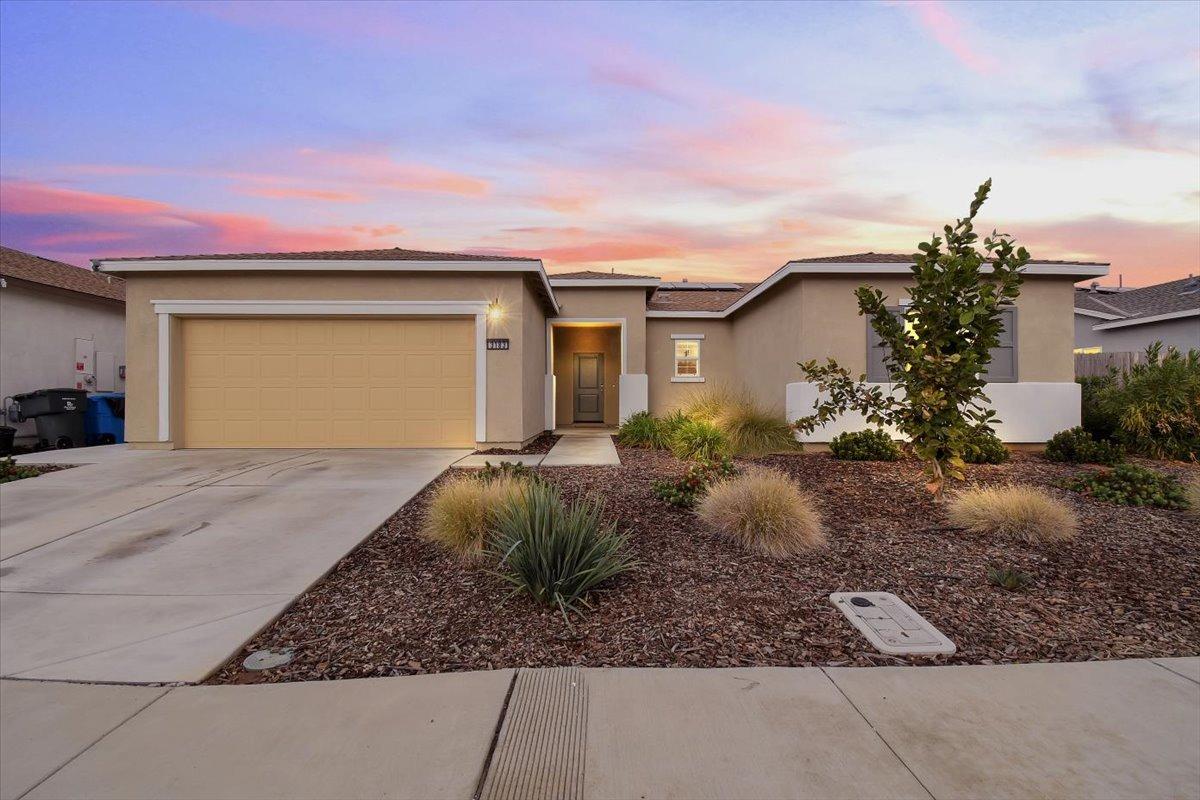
(42, 469)
(541, 444)
(1128, 586)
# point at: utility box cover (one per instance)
(891, 625)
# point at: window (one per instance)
(1087, 351)
(1003, 368)
(687, 358)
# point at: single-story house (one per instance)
(1119, 320)
(403, 348)
(61, 326)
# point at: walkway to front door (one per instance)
(589, 387)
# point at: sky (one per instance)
(706, 141)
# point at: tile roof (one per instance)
(35, 269)
(697, 299)
(1149, 301)
(906, 258)
(387, 254)
(590, 275)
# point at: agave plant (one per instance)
(1008, 578)
(556, 552)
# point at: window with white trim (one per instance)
(687, 358)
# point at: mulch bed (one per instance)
(541, 444)
(1128, 586)
(42, 469)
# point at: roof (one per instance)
(698, 299)
(907, 258)
(592, 275)
(1178, 298)
(35, 269)
(387, 254)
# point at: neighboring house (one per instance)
(1113, 320)
(402, 348)
(60, 327)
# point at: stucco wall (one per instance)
(570, 340)
(717, 365)
(507, 417)
(1182, 333)
(38, 329)
(626, 302)
(533, 361)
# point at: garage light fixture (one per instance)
(495, 312)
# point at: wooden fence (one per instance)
(1089, 364)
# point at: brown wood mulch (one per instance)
(42, 469)
(541, 444)
(1127, 586)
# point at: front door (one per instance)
(589, 387)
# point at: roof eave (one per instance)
(122, 266)
(1129, 322)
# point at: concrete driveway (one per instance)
(154, 567)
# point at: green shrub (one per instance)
(670, 425)
(868, 445)
(699, 440)
(1157, 404)
(1076, 446)
(10, 470)
(1008, 578)
(685, 491)
(1131, 485)
(763, 510)
(1025, 513)
(642, 430)
(1096, 418)
(463, 509)
(984, 447)
(555, 552)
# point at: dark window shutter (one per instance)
(876, 370)
(1003, 368)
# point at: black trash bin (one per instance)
(58, 414)
(7, 435)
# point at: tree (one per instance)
(937, 349)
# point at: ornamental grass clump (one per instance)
(556, 552)
(868, 445)
(642, 429)
(763, 510)
(1191, 493)
(463, 510)
(753, 430)
(700, 441)
(1024, 513)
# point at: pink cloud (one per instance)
(22, 197)
(937, 20)
(286, 193)
(76, 225)
(375, 168)
(378, 230)
(1143, 252)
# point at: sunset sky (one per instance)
(702, 141)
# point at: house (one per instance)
(60, 326)
(1114, 320)
(404, 348)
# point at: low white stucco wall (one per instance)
(1026, 412)
(634, 395)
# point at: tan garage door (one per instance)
(316, 382)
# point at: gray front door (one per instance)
(589, 387)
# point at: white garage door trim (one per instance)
(165, 309)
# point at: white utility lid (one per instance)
(891, 625)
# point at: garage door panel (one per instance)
(328, 382)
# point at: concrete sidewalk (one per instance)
(578, 447)
(1101, 729)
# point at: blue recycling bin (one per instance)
(104, 418)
